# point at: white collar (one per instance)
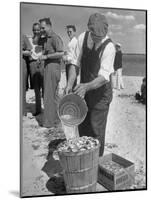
(73, 38)
(104, 39)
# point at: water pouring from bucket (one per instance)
(72, 110)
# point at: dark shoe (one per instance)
(43, 125)
(137, 96)
(37, 113)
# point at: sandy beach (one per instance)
(125, 136)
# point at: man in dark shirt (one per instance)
(53, 52)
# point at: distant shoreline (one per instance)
(143, 54)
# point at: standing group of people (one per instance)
(44, 53)
(32, 48)
(92, 55)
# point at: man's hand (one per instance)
(27, 53)
(42, 57)
(81, 89)
(65, 53)
(64, 57)
(68, 89)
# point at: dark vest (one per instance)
(90, 66)
(118, 60)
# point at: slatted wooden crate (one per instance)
(119, 180)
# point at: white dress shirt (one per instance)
(107, 59)
(70, 49)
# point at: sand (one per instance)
(125, 136)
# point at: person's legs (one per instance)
(42, 86)
(120, 84)
(35, 79)
(98, 123)
(121, 79)
(41, 77)
(85, 128)
(113, 80)
(42, 83)
(94, 124)
(24, 70)
(29, 75)
(51, 79)
(67, 71)
(36, 85)
(32, 72)
(117, 79)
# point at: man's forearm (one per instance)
(55, 55)
(72, 75)
(96, 83)
(26, 53)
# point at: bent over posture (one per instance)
(94, 54)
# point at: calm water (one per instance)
(134, 64)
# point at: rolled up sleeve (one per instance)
(58, 43)
(77, 53)
(71, 48)
(107, 61)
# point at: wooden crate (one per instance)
(119, 180)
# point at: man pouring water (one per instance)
(94, 55)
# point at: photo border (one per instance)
(20, 89)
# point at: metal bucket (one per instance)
(72, 110)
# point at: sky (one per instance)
(127, 27)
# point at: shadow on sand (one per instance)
(39, 119)
(30, 107)
(56, 185)
(54, 170)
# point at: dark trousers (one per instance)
(67, 74)
(29, 84)
(52, 74)
(94, 124)
(37, 75)
(24, 73)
